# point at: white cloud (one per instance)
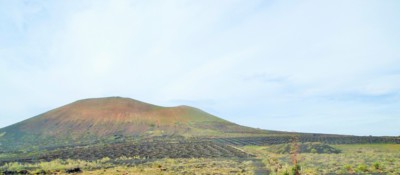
(275, 62)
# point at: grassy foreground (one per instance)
(124, 167)
(314, 159)
(354, 159)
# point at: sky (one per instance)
(306, 66)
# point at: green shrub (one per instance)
(296, 169)
(362, 168)
(348, 168)
(104, 159)
(313, 150)
(14, 166)
(377, 166)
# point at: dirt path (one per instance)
(260, 168)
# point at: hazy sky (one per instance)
(307, 66)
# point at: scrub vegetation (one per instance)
(129, 165)
(353, 159)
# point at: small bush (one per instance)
(362, 168)
(377, 166)
(104, 159)
(14, 166)
(348, 168)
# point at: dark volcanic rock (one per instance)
(73, 170)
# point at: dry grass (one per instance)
(162, 166)
(360, 159)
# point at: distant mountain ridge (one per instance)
(105, 118)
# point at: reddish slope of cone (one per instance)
(100, 118)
